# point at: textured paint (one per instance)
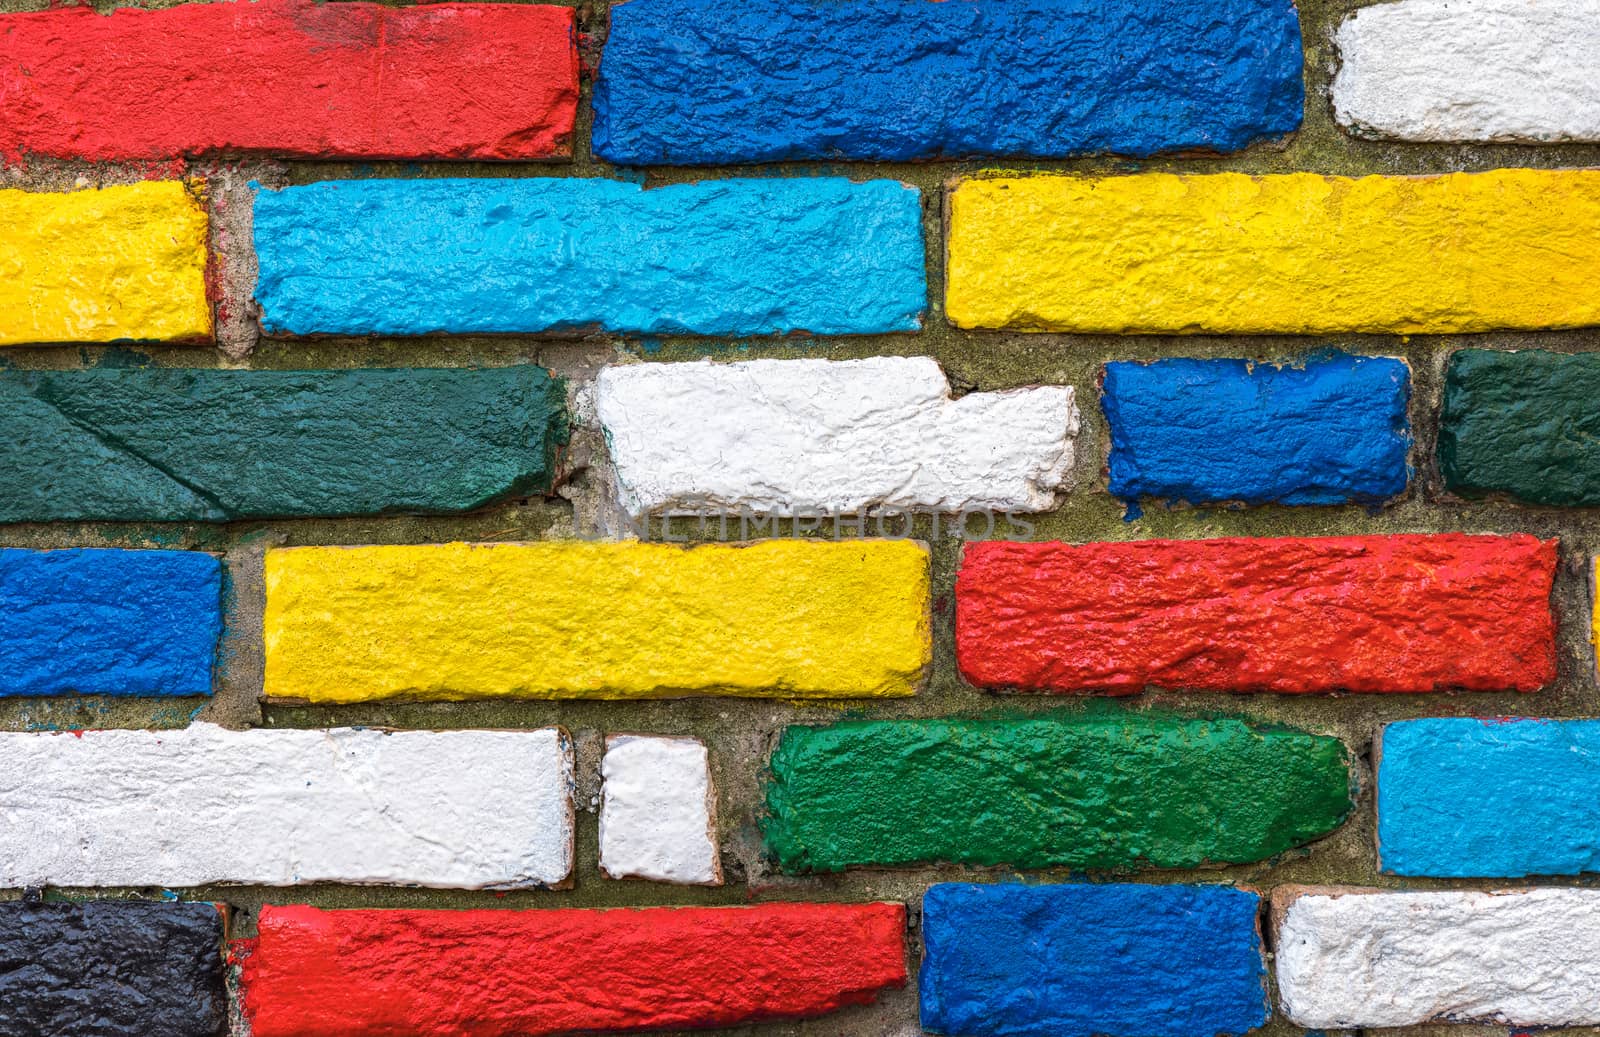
(291, 78)
(1348, 959)
(210, 445)
(318, 973)
(119, 968)
(1107, 791)
(773, 619)
(687, 82)
(1523, 424)
(821, 436)
(1373, 613)
(93, 621)
(1460, 797)
(450, 809)
(725, 257)
(658, 814)
(1470, 70)
(1332, 431)
(103, 265)
(1091, 961)
(1286, 254)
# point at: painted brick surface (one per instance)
(821, 436)
(103, 265)
(1091, 961)
(1295, 253)
(1470, 70)
(1103, 791)
(1462, 797)
(1329, 432)
(658, 812)
(1522, 424)
(318, 973)
(726, 257)
(1373, 614)
(691, 83)
(452, 809)
(111, 969)
(1351, 959)
(354, 80)
(211, 445)
(92, 621)
(773, 619)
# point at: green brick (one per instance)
(147, 444)
(1088, 791)
(1524, 424)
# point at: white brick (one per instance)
(453, 809)
(847, 436)
(1371, 959)
(658, 811)
(1471, 70)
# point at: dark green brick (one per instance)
(1089, 791)
(1525, 424)
(151, 444)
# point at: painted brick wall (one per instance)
(1007, 518)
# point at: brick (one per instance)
(1295, 253)
(103, 265)
(658, 811)
(1462, 797)
(1331, 431)
(1109, 791)
(830, 437)
(1370, 958)
(189, 807)
(120, 968)
(315, 973)
(92, 621)
(774, 619)
(1470, 70)
(1091, 961)
(692, 83)
(1366, 614)
(215, 445)
(349, 80)
(724, 257)
(1521, 424)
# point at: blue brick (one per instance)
(1503, 798)
(1207, 431)
(108, 622)
(726, 257)
(688, 82)
(1088, 960)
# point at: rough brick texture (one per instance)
(1203, 431)
(1284, 254)
(777, 619)
(1107, 791)
(658, 811)
(292, 78)
(728, 257)
(691, 83)
(1091, 961)
(202, 445)
(318, 973)
(1375, 614)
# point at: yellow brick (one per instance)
(1297, 254)
(103, 265)
(774, 619)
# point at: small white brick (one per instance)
(1374, 959)
(658, 811)
(449, 809)
(1471, 70)
(788, 437)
